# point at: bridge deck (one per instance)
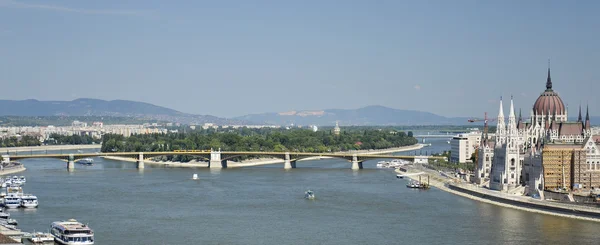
(227, 153)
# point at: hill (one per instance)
(96, 107)
(370, 115)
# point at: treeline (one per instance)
(20, 141)
(57, 139)
(280, 140)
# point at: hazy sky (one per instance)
(230, 58)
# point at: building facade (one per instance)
(534, 151)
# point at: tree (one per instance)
(410, 134)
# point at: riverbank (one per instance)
(10, 150)
(519, 202)
(262, 161)
(12, 170)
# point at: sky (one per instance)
(231, 58)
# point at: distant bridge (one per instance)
(447, 136)
(218, 159)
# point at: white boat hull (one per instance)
(12, 205)
(30, 205)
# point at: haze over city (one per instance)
(238, 57)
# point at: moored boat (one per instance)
(41, 238)
(29, 201)
(72, 232)
(12, 201)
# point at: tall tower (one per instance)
(336, 130)
(500, 126)
(512, 121)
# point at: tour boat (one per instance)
(309, 194)
(72, 232)
(12, 201)
(41, 238)
(29, 201)
(86, 161)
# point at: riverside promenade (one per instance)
(525, 203)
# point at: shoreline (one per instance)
(446, 184)
(3, 150)
(13, 170)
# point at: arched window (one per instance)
(512, 162)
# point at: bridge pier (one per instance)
(140, 161)
(71, 163)
(288, 163)
(5, 158)
(215, 160)
(356, 164)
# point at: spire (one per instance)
(512, 108)
(587, 113)
(501, 112)
(520, 118)
(549, 80)
(587, 118)
(579, 118)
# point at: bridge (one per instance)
(447, 136)
(218, 159)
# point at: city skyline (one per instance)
(229, 60)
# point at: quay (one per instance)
(455, 186)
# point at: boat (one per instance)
(195, 176)
(382, 164)
(41, 238)
(86, 161)
(413, 184)
(22, 179)
(309, 194)
(14, 190)
(12, 201)
(4, 215)
(29, 201)
(72, 232)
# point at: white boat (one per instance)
(86, 161)
(29, 201)
(41, 238)
(72, 232)
(195, 176)
(22, 179)
(4, 215)
(14, 190)
(309, 194)
(12, 201)
(382, 164)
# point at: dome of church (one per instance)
(549, 101)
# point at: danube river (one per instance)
(265, 205)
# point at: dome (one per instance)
(549, 101)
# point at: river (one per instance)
(265, 205)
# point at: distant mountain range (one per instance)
(370, 115)
(96, 107)
(366, 116)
